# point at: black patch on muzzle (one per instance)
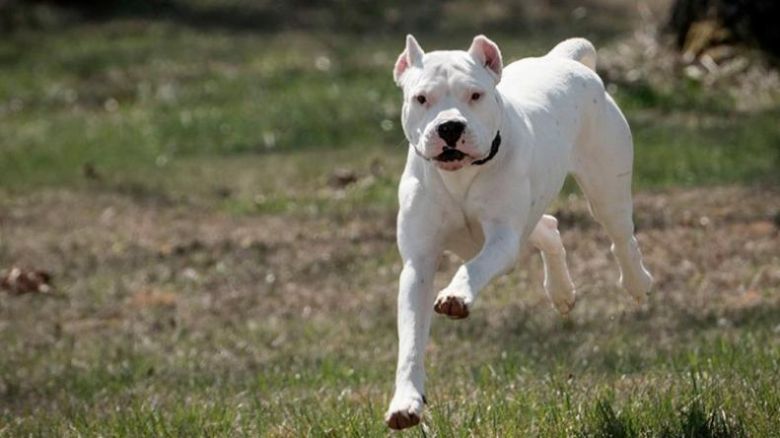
(450, 155)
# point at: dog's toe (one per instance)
(639, 285)
(564, 307)
(564, 303)
(401, 420)
(405, 410)
(453, 307)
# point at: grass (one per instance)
(210, 280)
(134, 98)
(171, 319)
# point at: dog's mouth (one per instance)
(449, 155)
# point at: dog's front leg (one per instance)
(415, 301)
(420, 252)
(498, 255)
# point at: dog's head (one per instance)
(451, 110)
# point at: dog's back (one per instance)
(560, 94)
(578, 49)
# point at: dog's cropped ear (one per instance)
(486, 53)
(411, 57)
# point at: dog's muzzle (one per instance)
(450, 155)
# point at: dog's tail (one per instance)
(578, 49)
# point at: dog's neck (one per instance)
(494, 146)
(458, 182)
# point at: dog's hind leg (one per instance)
(603, 168)
(557, 281)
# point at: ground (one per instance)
(168, 318)
(223, 261)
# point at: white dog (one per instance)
(489, 149)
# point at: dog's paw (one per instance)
(638, 285)
(454, 306)
(561, 293)
(562, 296)
(565, 304)
(405, 411)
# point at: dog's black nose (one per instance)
(451, 131)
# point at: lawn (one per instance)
(212, 276)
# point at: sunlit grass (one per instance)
(136, 98)
(182, 130)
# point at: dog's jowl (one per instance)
(489, 149)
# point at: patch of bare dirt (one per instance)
(151, 267)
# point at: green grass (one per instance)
(211, 137)
(536, 381)
(156, 100)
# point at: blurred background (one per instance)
(197, 206)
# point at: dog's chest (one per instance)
(458, 184)
(464, 206)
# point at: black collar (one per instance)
(493, 150)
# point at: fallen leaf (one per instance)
(341, 178)
(21, 281)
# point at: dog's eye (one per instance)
(420, 99)
(476, 96)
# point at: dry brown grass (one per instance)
(708, 248)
